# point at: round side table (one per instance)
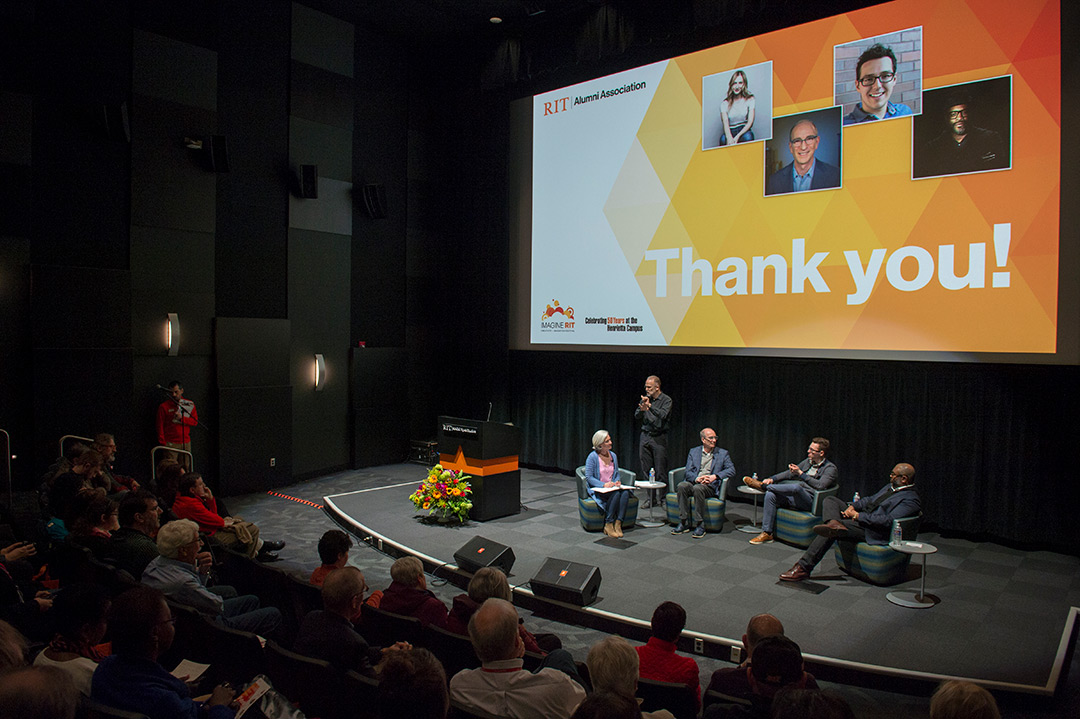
(753, 527)
(909, 597)
(650, 486)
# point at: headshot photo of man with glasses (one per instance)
(806, 149)
(964, 128)
(887, 76)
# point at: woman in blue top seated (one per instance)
(602, 470)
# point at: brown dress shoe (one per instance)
(762, 538)
(831, 529)
(795, 574)
(753, 483)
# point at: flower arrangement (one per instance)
(444, 491)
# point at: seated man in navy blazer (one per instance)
(707, 467)
(805, 172)
(867, 520)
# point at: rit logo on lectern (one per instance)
(550, 108)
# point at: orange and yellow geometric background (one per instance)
(712, 200)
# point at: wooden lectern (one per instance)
(489, 452)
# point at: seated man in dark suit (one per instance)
(804, 172)
(329, 634)
(867, 520)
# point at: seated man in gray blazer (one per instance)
(794, 488)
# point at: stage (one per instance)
(1005, 618)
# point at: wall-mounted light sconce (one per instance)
(172, 334)
(320, 373)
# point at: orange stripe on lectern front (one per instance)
(478, 467)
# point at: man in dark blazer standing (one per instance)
(805, 172)
(867, 520)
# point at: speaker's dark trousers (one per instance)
(817, 549)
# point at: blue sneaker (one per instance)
(699, 532)
(681, 529)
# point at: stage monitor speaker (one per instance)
(374, 201)
(217, 153)
(566, 581)
(481, 552)
(309, 182)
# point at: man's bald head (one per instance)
(493, 630)
(760, 626)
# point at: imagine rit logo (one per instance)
(548, 323)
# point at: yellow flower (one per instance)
(427, 505)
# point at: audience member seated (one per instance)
(84, 470)
(613, 667)
(408, 593)
(133, 546)
(142, 628)
(777, 663)
(658, 658)
(182, 578)
(79, 613)
(735, 681)
(38, 693)
(606, 705)
(490, 582)
(334, 548)
(93, 519)
(412, 684)
(196, 502)
(62, 464)
(26, 615)
(105, 445)
(168, 474)
(794, 703)
(957, 699)
(12, 648)
(501, 687)
(329, 633)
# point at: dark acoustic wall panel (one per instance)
(319, 317)
(16, 119)
(253, 112)
(378, 406)
(380, 154)
(254, 403)
(322, 96)
(172, 271)
(174, 70)
(17, 44)
(80, 307)
(15, 199)
(255, 428)
(82, 60)
(170, 187)
(329, 147)
(251, 352)
(322, 40)
(79, 391)
(15, 367)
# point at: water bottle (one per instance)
(897, 534)
(855, 498)
(652, 475)
(755, 476)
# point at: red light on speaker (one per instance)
(562, 573)
(481, 550)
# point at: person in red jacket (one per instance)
(175, 418)
(408, 593)
(658, 658)
(196, 502)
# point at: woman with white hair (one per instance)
(602, 471)
(614, 667)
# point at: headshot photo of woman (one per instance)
(736, 106)
(737, 111)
